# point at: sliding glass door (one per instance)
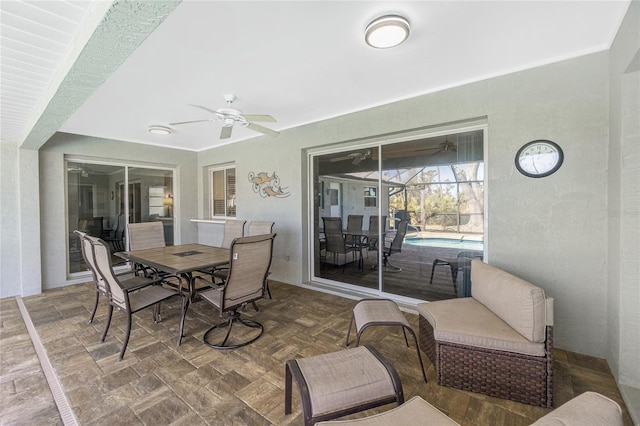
(103, 198)
(416, 203)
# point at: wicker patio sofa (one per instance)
(499, 342)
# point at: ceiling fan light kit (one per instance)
(387, 31)
(160, 130)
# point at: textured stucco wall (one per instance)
(624, 205)
(550, 231)
(9, 221)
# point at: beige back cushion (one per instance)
(520, 304)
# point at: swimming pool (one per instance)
(453, 243)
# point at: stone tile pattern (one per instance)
(161, 383)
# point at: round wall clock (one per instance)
(539, 158)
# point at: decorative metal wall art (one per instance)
(267, 186)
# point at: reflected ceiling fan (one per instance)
(230, 116)
(444, 146)
(77, 169)
(355, 157)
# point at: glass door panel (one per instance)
(92, 206)
(150, 196)
(434, 187)
(346, 188)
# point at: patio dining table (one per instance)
(181, 260)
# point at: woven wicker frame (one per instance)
(507, 375)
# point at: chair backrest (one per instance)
(232, 229)
(401, 231)
(113, 288)
(145, 235)
(91, 225)
(121, 225)
(373, 223)
(333, 234)
(354, 222)
(249, 262)
(257, 227)
(86, 253)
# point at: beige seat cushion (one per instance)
(415, 412)
(345, 379)
(587, 409)
(519, 303)
(468, 322)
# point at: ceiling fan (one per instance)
(355, 157)
(77, 169)
(444, 146)
(230, 116)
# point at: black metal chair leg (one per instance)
(95, 308)
(106, 326)
(126, 337)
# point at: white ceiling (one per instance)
(299, 61)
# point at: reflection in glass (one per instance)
(100, 202)
(431, 188)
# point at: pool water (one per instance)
(446, 243)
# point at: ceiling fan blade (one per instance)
(333, 160)
(262, 129)
(225, 133)
(213, 111)
(259, 117)
(187, 122)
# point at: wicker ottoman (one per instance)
(341, 383)
(383, 312)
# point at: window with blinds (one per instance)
(223, 191)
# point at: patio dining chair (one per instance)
(115, 236)
(395, 246)
(232, 229)
(86, 242)
(130, 295)
(145, 235)
(335, 241)
(249, 262)
(257, 227)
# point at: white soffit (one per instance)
(40, 40)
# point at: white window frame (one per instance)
(210, 171)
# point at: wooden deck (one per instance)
(413, 279)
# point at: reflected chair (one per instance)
(249, 262)
(354, 222)
(335, 241)
(129, 295)
(462, 260)
(395, 246)
(116, 235)
(372, 242)
(91, 225)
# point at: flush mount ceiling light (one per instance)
(387, 31)
(160, 130)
